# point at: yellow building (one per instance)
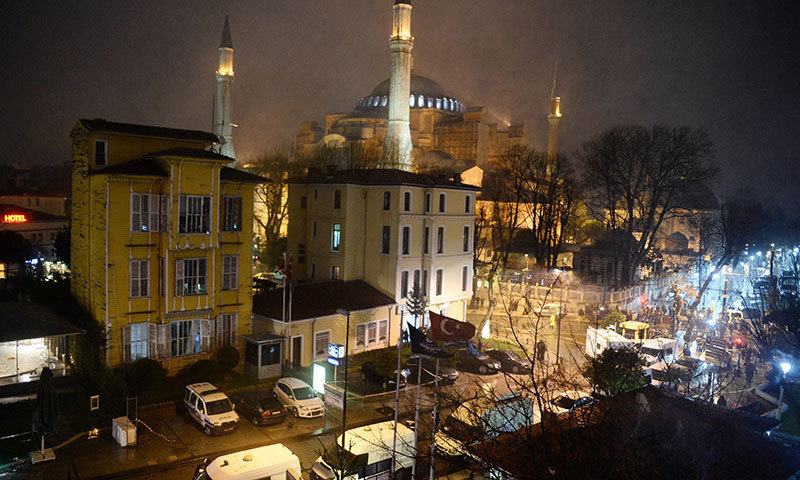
(391, 228)
(161, 241)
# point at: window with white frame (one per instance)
(406, 201)
(321, 341)
(335, 272)
(144, 212)
(464, 278)
(406, 240)
(100, 153)
(416, 283)
(230, 272)
(442, 202)
(336, 237)
(226, 331)
(194, 214)
(387, 200)
(425, 282)
(184, 337)
(427, 202)
(232, 221)
(465, 239)
(371, 335)
(190, 276)
(440, 240)
(467, 203)
(404, 284)
(140, 275)
(139, 340)
(439, 281)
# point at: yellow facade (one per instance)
(126, 263)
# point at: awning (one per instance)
(25, 321)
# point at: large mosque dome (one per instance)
(425, 93)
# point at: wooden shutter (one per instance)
(135, 213)
(205, 335)
(163, 351)
(178, 277)
(219, 331)
(234, 332)
(152, 340)
(153, 209)
(237, 205)
(126, 344)
(163, 217)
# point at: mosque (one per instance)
(444, 131)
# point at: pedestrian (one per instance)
(722, 402)
(749, 372)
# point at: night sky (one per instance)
(729, 66)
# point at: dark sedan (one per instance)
(447, 375)
(261, 408)
(482, 365)
(510, 362)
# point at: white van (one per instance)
(655, 350)
(367, 453)
(273, 462)
(600, 339)
(212, 409)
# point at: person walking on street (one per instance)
(749, 372)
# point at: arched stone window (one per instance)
(421, 101)
(439, 103)
(411, 99)
(384, 100)
(375, 102)
(430, 102)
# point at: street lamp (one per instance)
(346, 313)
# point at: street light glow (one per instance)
(785, 367)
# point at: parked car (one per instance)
(510, 361)
(297, 396)
(482, 364)
(447, 375)
(210, 408)
(370, 374)
(570, 400)
(261, 408)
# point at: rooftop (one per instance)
(312, 300)
(380, 176)
(31, 216)
(25, 321)
(102, 125)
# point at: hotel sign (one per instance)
(14, 218)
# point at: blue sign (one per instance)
(333, 361)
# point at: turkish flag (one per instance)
(448, 330)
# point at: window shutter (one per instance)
(219, 331)
(126, 344)
(153, 210)
(238, 206)
(163, 213)
(162, 342)
(234, 325)
(178, 278)
(205, 335)
(135, 212)
(152, 340)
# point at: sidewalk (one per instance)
(183, 442)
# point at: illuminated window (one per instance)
(375, 102)
(184, 337)
(194, 214)
(384, 100)
(144, 212)
(439, 103)
(430, 102)
(233, 214)
(190, 276)
(421, 101)
(335, 272)
(336, 237)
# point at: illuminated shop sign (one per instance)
(14, 218)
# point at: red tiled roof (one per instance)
(312, 300)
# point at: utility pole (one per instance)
(342, 311)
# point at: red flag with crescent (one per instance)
(446, 329)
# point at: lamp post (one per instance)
(785, 367)
(346, 313)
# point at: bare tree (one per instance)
(634, 175)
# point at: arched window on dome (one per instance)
(430, 102)
(411, 99)
(439, 103)
(384, 100)
(451, 104)
(376, 101)
(421, 101)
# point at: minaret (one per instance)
(397, 145)
(223, 127)
(554, 118)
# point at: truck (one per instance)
(655, 350)
(600, 339)
(367, 453)
(275, 462)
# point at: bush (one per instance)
(144, 374)
(113, 392)
(228, 358)
(206, 370)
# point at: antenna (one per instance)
(555, 76)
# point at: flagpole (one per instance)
(397, 389)
(433, 429)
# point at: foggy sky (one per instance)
(731, 67)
